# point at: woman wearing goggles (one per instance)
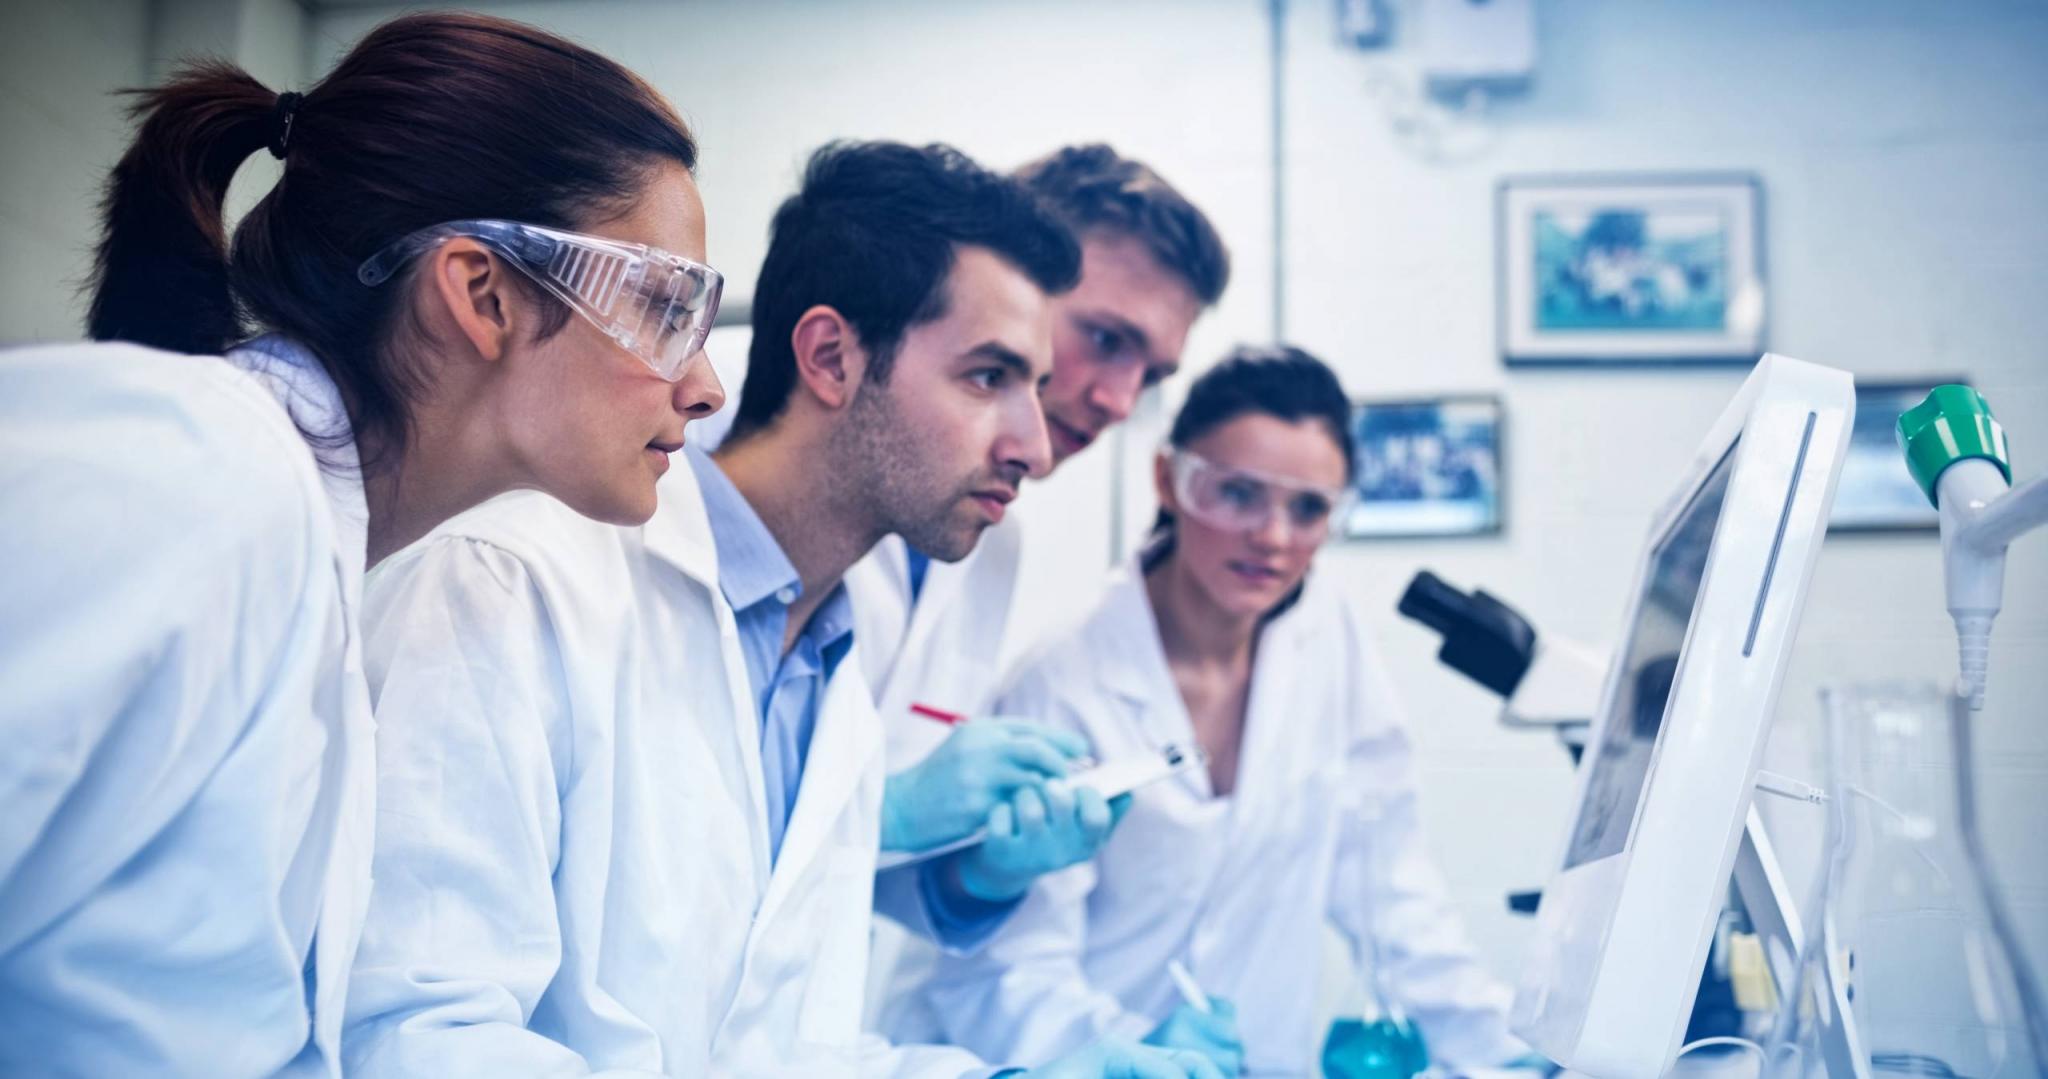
(194, 499)
(1306, 813)
(1248, 501)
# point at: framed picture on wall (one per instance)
(1620, 270)
(1429, 467)
(1876, 493)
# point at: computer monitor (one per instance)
(1665, 786)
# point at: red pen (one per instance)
(940, 714)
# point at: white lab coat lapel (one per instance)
(943, 584)
(945, 649)
(847, 737)
(680, 535)
(1138, 674)
(1268, 749)
(880, 588)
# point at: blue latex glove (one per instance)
(1035, 833)
(1213, 1035)
(1111, 1059)
(977, 768)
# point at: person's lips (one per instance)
(1254, 573)
(993, 500)
(657, 453)
(1068, 438)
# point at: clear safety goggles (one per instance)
(657, 306)
(1241, 500)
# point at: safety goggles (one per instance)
(1241, 500)
(657, 306)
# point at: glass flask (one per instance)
(1910, 942)
(1382, 1044)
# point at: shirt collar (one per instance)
(751, 565)
(832, 627)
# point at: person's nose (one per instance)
(1115, 390)
(1275, 532)
(699, 393)
(1024, 445)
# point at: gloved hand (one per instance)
(1213, 1035)
(1033, 834)
(978, 767)
(1110, 1059)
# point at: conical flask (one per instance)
(1911, 966)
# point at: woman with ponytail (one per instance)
(1218, 636)
(481, 270)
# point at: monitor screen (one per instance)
(1620, 768)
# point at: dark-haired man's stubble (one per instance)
(898, 478)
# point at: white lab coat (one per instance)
(1321, 828)
(572, 859)
(184, 789)
(943, 650)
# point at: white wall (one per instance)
(63, 125)
(60, 130)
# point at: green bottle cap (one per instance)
(1953, 424)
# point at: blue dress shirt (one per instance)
(760, 584)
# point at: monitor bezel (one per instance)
(1625, 1017)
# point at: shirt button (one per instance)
(786, 596)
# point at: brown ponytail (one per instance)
(432, 117)
(162, 269)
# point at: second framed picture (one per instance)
(1876, 493)
(1429, 467)
(1628, 270)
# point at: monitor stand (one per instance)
(1761, 885)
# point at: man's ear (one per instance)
(830, 362)
(472, 289)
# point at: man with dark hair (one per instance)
(934, 635)
(933, 630)
(676, 751)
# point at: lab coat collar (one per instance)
(679, 533)
(1128, 617)
(1135, 670)
(947, 584)
(1143, 680)
(295, 376)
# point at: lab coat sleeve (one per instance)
(1024, 998)
(463, 934)
(1387, 897)
(169, 605)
